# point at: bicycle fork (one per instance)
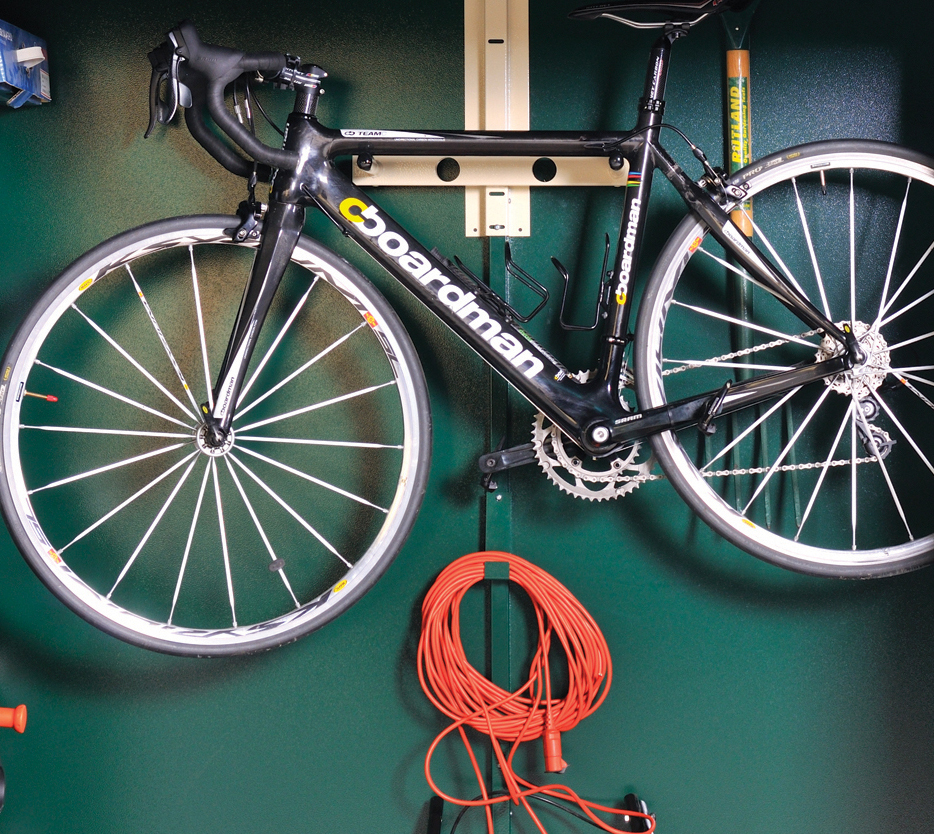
(282, 227)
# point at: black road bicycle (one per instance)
(238, 470)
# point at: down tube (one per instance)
(537, 375)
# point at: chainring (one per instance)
(594, 479)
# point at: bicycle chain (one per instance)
(737, 354)
(756, 470)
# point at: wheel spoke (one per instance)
(687, 364)
(904, 432)
(261, 531)
(885, 472)
(825, 469)
(770, 248)
(225, 552)
(111, 432)
(275, 343)
(315, 406)
(191, 535)
(759, 421)
(852, 247)
(162, 339)
(853, 506)
(155, 523)
(126, 355)
(906, 308)
(126, 503)
(299, 371)
(813, 254)
(290, 510)
(911, 341)
(311, 479)
(788, 447)
(729, 266)
(914, 271)
(898, 235)
(200, 319)
(346, 444)
(916, 392)
(107, 468)
(106, 391)
(703, 311)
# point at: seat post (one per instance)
(652, 103)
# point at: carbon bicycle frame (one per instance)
(590, 412)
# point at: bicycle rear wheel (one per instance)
(145, 530)
(834, 478)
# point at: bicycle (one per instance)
(778, 378)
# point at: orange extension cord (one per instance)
(467, 697)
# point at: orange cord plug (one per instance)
(552, 742)
(13, 717)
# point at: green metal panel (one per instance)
(746, 699)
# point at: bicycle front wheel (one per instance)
(143, 528)
(833, 478)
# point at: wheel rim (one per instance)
(317, 484)
(793, 494)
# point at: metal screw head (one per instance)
(600, 435)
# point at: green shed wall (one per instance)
(746, 699)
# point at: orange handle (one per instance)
(13, 717)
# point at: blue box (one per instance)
(24, 67)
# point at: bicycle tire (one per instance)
(125, 515)
(804, 481)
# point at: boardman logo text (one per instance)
(463, 303)
(629, 248)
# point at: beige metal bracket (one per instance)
(497, 200)
(491, 172)
(496, 97)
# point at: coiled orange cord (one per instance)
(456, 688)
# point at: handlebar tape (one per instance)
(223, 153)
(216, 67)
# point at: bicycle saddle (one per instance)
(682, 11)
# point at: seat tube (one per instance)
(632, 227)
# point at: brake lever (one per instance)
(165, 62)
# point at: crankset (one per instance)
(595, 479)
(570, 468)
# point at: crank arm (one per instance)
(503, 459)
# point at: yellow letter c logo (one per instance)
(353, 203)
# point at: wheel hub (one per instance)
(207, 444)
(867, 376)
